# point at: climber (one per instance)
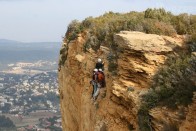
(99, 64)
(101, 78)
(94, 82)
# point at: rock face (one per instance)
(189, 124)
(139, 57)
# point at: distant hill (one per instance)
(16, 45)
(13, 51)
(6, 41)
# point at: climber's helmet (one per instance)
(95, 70)
(99, 60)
(100, 70)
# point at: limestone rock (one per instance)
(139, 57)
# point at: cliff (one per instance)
(129, 70)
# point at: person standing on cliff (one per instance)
(99, 64)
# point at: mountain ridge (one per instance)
(14, 41)
(16, 45)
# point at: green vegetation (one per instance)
(112, 59)
(73, 30)
(97, 106)
(173, 85)
(6, 123)
(63, 55)
(130, 127)
(100, 30)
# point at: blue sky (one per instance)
(47, 20)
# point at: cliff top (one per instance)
(148, 42)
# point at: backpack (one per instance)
(100, 77)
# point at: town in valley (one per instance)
(29, 95)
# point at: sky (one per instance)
(47, 20)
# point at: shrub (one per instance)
(86, 46)
(73, 30)
(173, 85)
(156, 21)
(6, 122)
(63, 55)
(170, 127)
(92, 42)
(193, 38)
(106, 25)
(130, 127)
(159, 14)
(97, 106)
(113, 65)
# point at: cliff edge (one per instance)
(129, 70)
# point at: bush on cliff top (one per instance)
(153, 21)
(100, 30)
